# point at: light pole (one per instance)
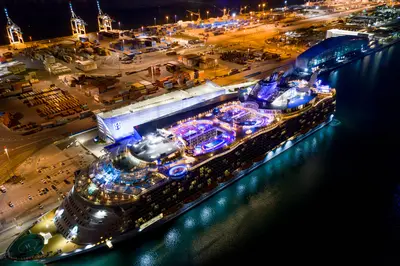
(6, 151)
(263, 5)
(207, 13)
(245, 9)
(259, 6)
(155, 21)
(175, 18)
(167, 18)
(119, 25)
(9, 160)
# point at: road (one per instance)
(256, 36)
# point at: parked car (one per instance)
(54, 187)
(3, 189)
(233, 71)
(11, 204)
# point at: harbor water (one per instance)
(334, 198)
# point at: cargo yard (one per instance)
(53, 89)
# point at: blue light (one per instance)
(189, 223)
(147, 260)
(222, 201)
(172, 238)
(206, 215)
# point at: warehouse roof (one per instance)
(174, 96)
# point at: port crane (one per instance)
(226, 13)
(13, 31)
(78, 25)
(104, 20)
(194, 13)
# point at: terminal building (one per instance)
(331, 50)
(120, 123)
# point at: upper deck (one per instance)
(136, 166)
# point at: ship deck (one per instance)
(42, 240)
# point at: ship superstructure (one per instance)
(145, 181)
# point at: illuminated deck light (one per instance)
(109, 244)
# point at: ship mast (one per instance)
(77, 24)
(104, 21)
(14, 32)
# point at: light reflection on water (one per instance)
(215, 223)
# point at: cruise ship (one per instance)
(143, 182)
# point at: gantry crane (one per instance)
(226, 13)
(104, 20)
(13, 31)
(196, 14)
(77, 24)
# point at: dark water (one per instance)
(43, 19)
(332, 199)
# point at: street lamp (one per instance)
(6, 151)
(119, 25)
(167, 18)
(9, 160)
(155, 21)
(263, 5)
(175, 18)
(207, 13)
(259, 6)
(142, 28)
(245, 9)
